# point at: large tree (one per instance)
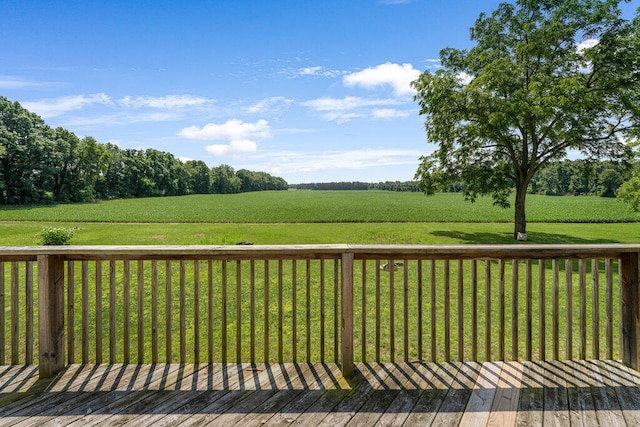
(544, 77)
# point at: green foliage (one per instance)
(56, 235)
(581, 177)
(40, 165)
(528, 92)
(629, 192)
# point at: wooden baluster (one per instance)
(501, 314)
(29, 312)
(280, 322)
(543, 308)
(154, 312)
(140, 311)
(112, 312)
(183, 311)
(2, 314)
(474, 310)
(420, 313)
(210, 309)
(98, 312)
(266, 311)
(167, 312)
(595, 282)
(569, 283)
(223, 322)
(71, 338)
(308, 309)
(347, 314)
(364, 310)
(609, 307)
(127, 310)
(514, 310)
(294, 313)
(378, 311)
(406, 311)
(196, 311)
(433, 311)
(582, 266)
(336, 309)
(529, 313)
(15, 314)
(85, 312)
(487, 332)
(460, 310)
(252, 311)
(392, 310)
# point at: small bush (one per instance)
(56, 236)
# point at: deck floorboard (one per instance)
(576, 392)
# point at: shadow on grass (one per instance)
(503, 238)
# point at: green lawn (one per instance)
(26, 233)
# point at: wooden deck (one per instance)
(414, 394)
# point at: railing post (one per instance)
(630, 310)
(51, 314)
(347, 314)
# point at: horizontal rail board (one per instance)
(249, 252)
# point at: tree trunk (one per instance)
(520, 230)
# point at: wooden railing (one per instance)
(340, 303)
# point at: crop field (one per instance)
(324, 207)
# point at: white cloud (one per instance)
(235, 147)
(57, 106)
(465, 78)
(342, 109)
(315, 71)
(346, 103)
(312, 162)
(389, 113)
(10, 82)
(586, 44)
(269, 104)
(170, 101)
(119, 119)
(240, 134)
(396, 75)
(231, 130)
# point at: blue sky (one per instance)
(307, 90)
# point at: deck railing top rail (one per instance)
(503, 251)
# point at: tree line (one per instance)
(42, 165)
(568, 177)
(404, 186)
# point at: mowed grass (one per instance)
(324, 207)
(13, 233)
